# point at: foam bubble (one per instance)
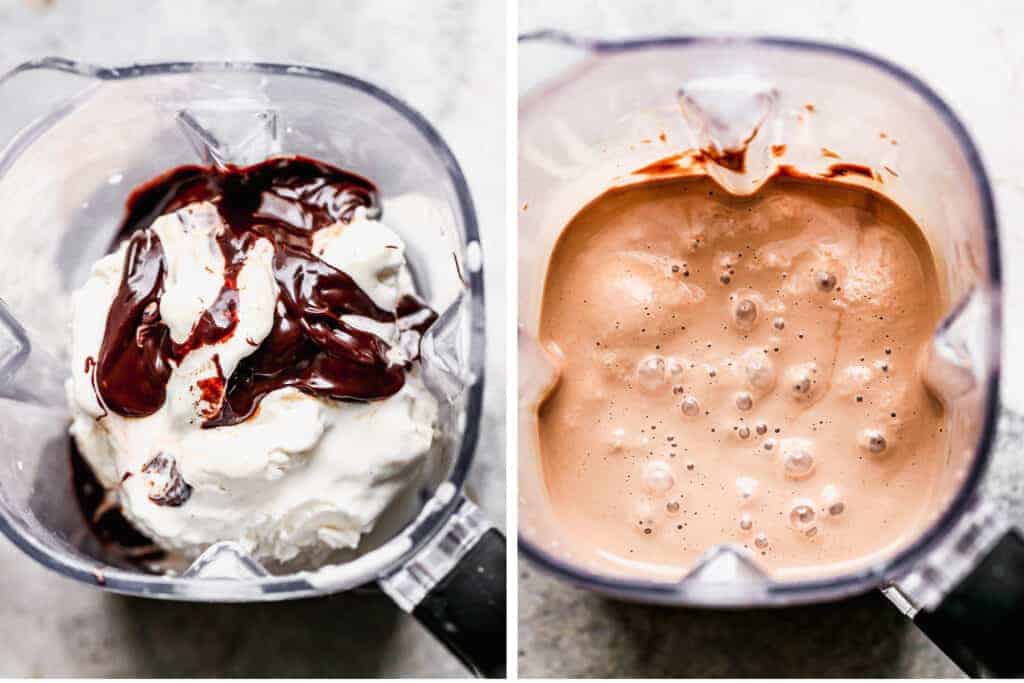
(747, 487)
(801, 381)
(690, 406)
(759, 370)
(643, 517)
(744, 401)
(674, 369)
(825, 280)
(801, 515)
(650, 372)
(658, 476)
(745, 314)
(872, 440)
(797, 458)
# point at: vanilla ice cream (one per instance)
(238, 382)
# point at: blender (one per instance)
(75, 139)
(593, 113)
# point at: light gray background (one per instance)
(447, 59)
(971, 53)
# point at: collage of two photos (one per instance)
(591, 339)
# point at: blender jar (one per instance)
(76, 139)
(593, 112)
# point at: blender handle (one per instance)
(455, 587)
(979, 622)
(967, 593)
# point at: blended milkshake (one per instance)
(741, 370)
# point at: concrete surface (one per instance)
(970, 54)
(446, 58)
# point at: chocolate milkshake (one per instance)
(740, 370)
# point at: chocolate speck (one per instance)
(175, 491)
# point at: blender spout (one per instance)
(236, 134)
(539, 370)
(225, 560)
(726, 564)
(727, 575)
(27, 373)
(949, 364)
(727, 117)
(443, 353)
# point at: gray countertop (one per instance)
(567, 632)
(446, 59)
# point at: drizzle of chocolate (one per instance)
(840, 170)
(669, 164)
(285, 200)
(212, 388)
(733, 159)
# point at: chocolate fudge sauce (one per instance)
(310, 347)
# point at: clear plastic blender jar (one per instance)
(76, 138)
(592, 112)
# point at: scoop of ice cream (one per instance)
(303, 473)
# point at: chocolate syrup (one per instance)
(285, 200)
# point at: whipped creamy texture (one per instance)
(245, 364)
(740, 371)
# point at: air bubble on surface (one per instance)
(745, 314)
(802, 515)
(802, 382)
(650, 372)
(872, 440)
(675, 369)
(832, 500)
(747, 486)
(744, 401)
(658, 477)
(797, 458)
(690, 406)
(759, 370)
(825, 280)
